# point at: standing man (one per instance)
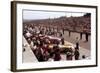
(81, 35)
(62, 41)
(77, 43)
(69, 33)
(86, 36)
(86, 33)
(76, 54)
(63, 30)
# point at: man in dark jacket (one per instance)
(76, 54)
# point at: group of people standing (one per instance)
(40, 46)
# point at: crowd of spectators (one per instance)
(77, 24)
(39, 41)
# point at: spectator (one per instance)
(69, 33)
(62, 41)
(57, 56)
(81, 35)
(39, 54)
(28, 35)
(86, 37)
(63, 30)
(77, 43)
(69, 56)
(76, 54)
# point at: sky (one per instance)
(34, 15)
